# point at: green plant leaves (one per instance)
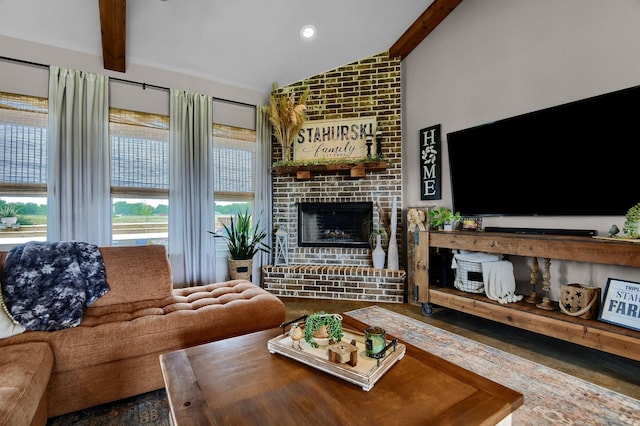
(316, 320)
(243, 240)
(438, 217)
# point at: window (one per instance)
(234, 158)
(139, 171)
(139, 177)
(23, 166)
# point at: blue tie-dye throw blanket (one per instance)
(47, 285)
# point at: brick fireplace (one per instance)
(334, 224)
(370, 87)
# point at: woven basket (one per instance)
(240, 269)
(468, 268)
(579, 300)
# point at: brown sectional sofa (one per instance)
(114, 352)
(25, 370)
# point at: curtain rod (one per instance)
(144, 85)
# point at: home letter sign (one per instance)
(430, 159)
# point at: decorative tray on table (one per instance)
(367, 369)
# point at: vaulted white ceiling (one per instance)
(245, 43)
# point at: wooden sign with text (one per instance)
(334, 139)
(621, 304)
(430, 163)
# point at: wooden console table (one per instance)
(586, 332)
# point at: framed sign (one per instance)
(334, 139)
(621, 305)
(471, 223)
(430, 163)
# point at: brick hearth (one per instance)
(336, 282)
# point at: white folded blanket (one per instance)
(499, 281)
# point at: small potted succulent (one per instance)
(321, 328)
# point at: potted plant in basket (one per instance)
(243, 240)
(323, 328)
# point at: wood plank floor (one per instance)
(609, 371)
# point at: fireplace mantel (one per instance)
(306, 172)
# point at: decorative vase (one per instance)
(378, 253)
(393, 262)
(240, 269)
(286, 152)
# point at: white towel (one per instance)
(499, 281)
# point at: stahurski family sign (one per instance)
(333, 139)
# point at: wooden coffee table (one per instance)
(237, 381)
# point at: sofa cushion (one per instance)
(136, 273)
(190, 316)
(25, 370)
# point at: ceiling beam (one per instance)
(113, 14)
(420, 29)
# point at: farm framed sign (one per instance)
(621, 305)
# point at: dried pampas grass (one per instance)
(383, 218)
(286, 117)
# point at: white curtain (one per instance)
(264, 186)
(79, 186)
(191, 202)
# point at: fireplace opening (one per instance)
(334, 224)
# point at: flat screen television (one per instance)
(575, 159)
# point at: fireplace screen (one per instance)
(334, 224)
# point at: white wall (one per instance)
(494, 59)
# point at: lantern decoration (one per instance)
(282, 247)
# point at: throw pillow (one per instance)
(8, 327)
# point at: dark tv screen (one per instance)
(575, 159)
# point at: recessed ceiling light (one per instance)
(308, 32)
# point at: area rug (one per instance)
(551, 397)
(149, 409)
